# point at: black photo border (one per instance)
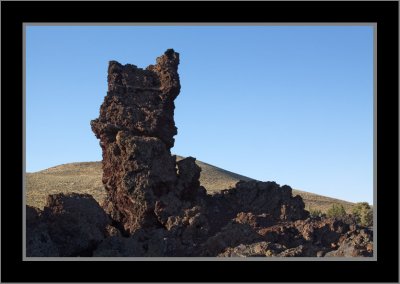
(383, 13)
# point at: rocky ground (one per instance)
(155, 206)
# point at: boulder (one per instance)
(70, 225)
(38, 240)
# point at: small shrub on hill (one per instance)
(315, 213)
(336, 211)
(363, 214)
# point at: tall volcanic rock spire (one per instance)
(136, 128)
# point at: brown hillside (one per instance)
(86, 178)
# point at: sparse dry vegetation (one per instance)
(336, 211)
(320, 202)
(74, 177)
(86, 178)
(363, 213)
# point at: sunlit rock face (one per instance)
(136, 129)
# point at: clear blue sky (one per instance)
(291, 104)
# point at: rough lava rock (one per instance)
(70, 225)
(38, 240)
(76, 223)
(311, 237)
(156, 206)
(267, 200)
(136, 128)
(355, 243)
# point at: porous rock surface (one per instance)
(70, 225)
(136, 129)
(155, 206)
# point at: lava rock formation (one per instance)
(156, 206)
